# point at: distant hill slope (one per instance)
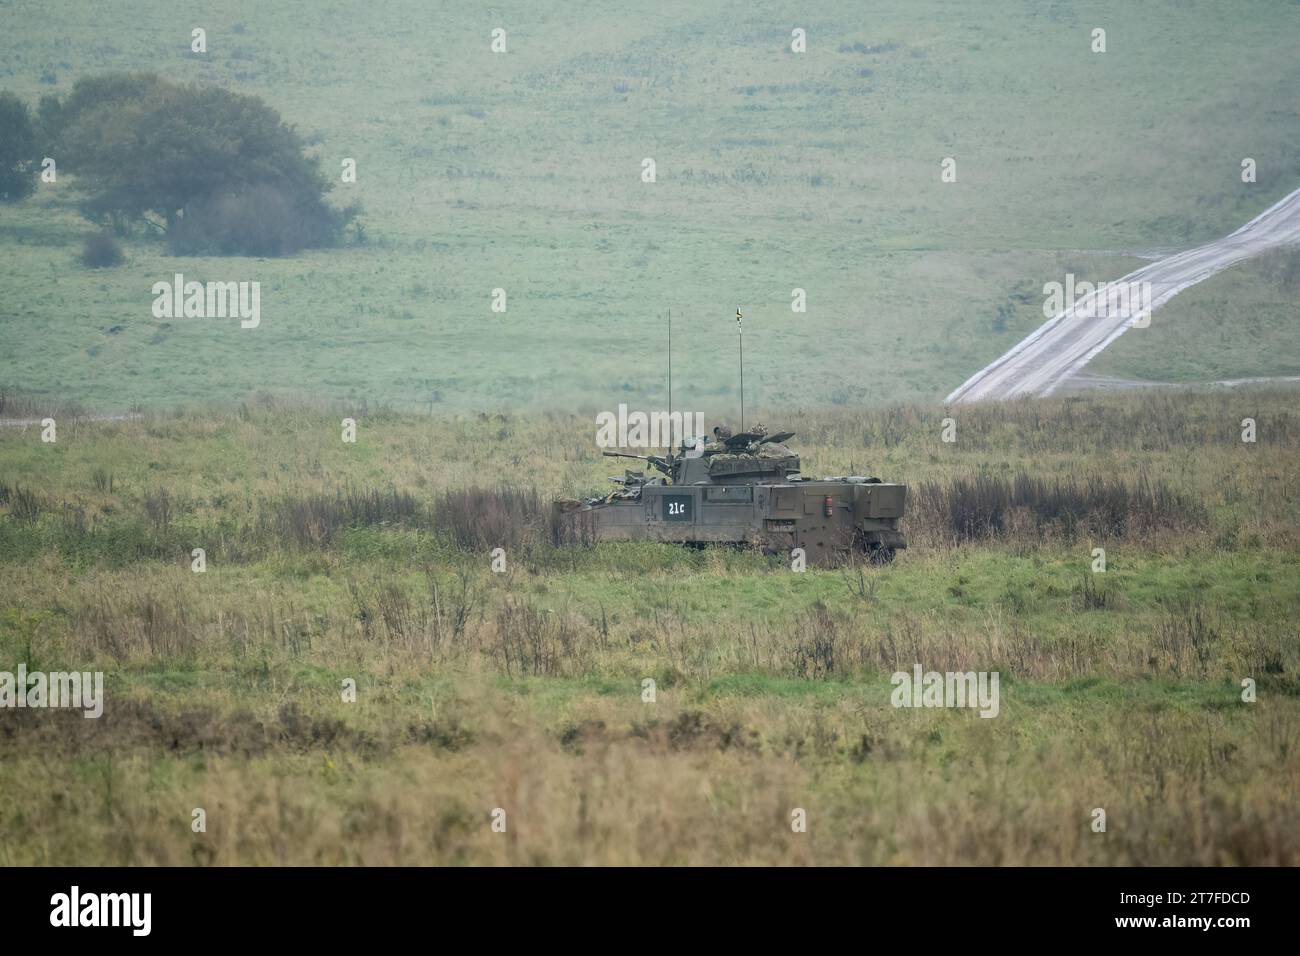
(1089, 318)
(774, 171)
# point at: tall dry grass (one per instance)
(620, 783)
(523, 690)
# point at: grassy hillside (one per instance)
(1241, 323)
(329, 562)
(775, 171)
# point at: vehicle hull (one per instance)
(830, 520)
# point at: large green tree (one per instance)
(18, 149)
(218, 171)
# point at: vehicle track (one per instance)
(1048, 358)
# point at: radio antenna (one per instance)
(740, 327)
(670, 376)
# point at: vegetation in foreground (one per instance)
(524, 690)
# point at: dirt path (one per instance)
(1060, 347)
(28, 422)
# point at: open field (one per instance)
(1052, 357)
(775, 171)
(1240, 324)
(522, 690)
(328, 564)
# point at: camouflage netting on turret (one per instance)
(770, 450)
(764, 459)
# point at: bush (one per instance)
(314, 520)
(984, 506)
(478, 519)
(101, 251)
(217, 171)
(25, 505)
(261, 220)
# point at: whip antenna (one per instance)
(741, 331)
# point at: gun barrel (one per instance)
(623, 454)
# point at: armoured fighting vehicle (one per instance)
(743, 489)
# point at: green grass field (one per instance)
(775, 171)
(523, 690)
(1239, 324)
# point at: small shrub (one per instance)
(259, 220)
(1091, 595)
(984, 506)
(158, 506)
(812, 651)
(315, 520)
(25, 505)
(1186, 637)
(532, 642)
(102, 479)
(480, 518)
(101, 251)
